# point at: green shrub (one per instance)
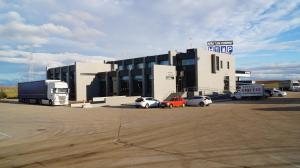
(2, 95)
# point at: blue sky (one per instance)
(35, 34)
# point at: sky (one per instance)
(35, 34)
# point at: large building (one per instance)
(195, 71)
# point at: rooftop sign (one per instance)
(220, 46)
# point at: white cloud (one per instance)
(11, 16)
(15, 30)
(288, 70)
(31, 34)
(81, 23)
(41, 60)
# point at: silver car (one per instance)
(146, 102)
(199, 101)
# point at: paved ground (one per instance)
(239, 134)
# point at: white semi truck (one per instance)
(51, 92)
(291, 85)
(250, 91)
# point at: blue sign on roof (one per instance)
(220, 46)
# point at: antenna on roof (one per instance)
(191, 42)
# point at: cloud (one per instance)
(41, 60)
(17, 31)
(81, 24)
(276, 71)
(11, 16)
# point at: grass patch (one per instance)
(9, 92)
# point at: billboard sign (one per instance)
(220, 46)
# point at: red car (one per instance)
(174, 102)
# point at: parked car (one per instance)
(278, 93)
(174, 102)
(146, 102)
(199, 101)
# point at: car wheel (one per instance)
(201, 104)
(280, 95)
(171, 106)
(147, 106)
(158, 105)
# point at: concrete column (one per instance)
(171, 55)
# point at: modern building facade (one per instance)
(195, 71)
(81, 78)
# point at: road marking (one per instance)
(5, 134)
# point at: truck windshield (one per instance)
(60, 90)
(296, 84)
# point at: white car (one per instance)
(279, 93)
(146, 102)
(199, 101)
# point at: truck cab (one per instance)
(58, 93)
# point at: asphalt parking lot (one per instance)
(232, 134)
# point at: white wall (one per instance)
(209, 81)
(85, 74)
(163, 84)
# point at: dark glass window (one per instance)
(138, 77)
(228, 66)
(188, 62)
(150, 64)
(218, 63)
(125, 78)
(164, 62)
(221, 64)
(213, 63)
(120, 67)
(129, 67)
(140, 65)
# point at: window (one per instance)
(218, 63)
(228, 66)
(213, 63)
(125, 78)
(221, 64)
(150, 64)
(120, 67)
(140, 65)
(164, 62)
(188, 62)
(60, 90)
(138, 77)
(129, 67)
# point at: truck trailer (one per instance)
(250, 91)
(51, 92)
(291, 85)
